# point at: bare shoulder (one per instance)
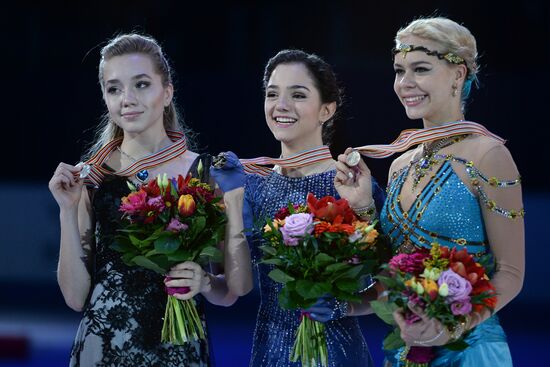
(402, 161)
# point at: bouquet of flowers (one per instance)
(318, 249)
(169, 221)
(446, 284)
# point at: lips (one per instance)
(131, 115)
(414, 100)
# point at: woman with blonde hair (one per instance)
(459, 187)
(139, 138)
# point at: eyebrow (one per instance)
(296, 86)
(135, 77)
(413, 64)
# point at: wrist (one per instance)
(457, 330)
(367, 212)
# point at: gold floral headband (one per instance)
(449, 56)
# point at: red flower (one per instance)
(328, 208)
(464, 264)
(336, 227)
(152, 188)
(285, 212)
(484, 286)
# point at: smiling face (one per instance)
(134, 94)
(425, 84)
(293, 108)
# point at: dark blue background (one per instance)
(52, 102)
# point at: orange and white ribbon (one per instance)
(98, 171)
(305, 158)
(412, 137)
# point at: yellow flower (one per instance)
(276, 224)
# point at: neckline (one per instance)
(281, 176)
(421, 193)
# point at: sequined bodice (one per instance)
(445, 212)
(276, 327)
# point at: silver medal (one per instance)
(353, 158)
(85, 171)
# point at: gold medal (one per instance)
(353, 158)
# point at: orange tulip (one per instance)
(186, 205)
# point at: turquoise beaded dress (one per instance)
(276, 327)
(448, 213)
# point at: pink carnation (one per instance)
(409, 263)
(421, 354)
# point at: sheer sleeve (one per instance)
(497, 183)
(237, 263)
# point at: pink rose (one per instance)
(296, 225)
(459, 288)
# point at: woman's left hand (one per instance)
(188, 275)
(418, 330)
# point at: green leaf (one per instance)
(323, 259)
(213, 253)
(387, 281)
(332, 268)
(179, 256)
(277, 262)
(269, 250)
(353, 272)
(280, 276)
(384, 310)
(347, 285)
(393, 340)
(148, 264)
(312, 290)
(197, 226)
(167, 245)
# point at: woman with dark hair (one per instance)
(302, 97)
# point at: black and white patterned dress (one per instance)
(123, 315)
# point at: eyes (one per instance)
(416, 70)
(116, 89)
(293, 95)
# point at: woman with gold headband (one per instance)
(459, 187)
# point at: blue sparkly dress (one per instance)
(445, 212)
(276, 327)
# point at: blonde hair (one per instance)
(451, 36)
(130, 44)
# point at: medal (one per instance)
(353, 158)
(219, 161)
(85, 171)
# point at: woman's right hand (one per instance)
(353, 183)
(231, 175)
(66, 185)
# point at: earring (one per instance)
(454, 90)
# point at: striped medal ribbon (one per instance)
(304, 158)
(98, 171)
(410, 137)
